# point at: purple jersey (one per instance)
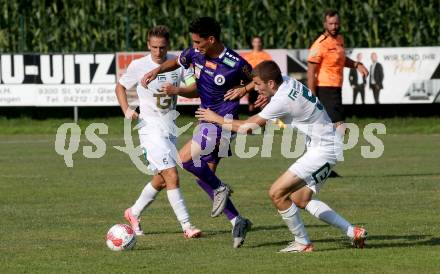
(215, 76)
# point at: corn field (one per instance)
(117, 25)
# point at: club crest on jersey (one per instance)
(247, 72)
(219, 79)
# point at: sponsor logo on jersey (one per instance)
(232, 56)
(174, 76)
(322, 173)
(229, 62)
(211, 65)
(161, 78)
(313, 52)
(219, 79)
(293, 94)
(198, 65)
(209, 72)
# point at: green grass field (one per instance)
(54, 218)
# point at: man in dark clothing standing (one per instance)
(376, 77)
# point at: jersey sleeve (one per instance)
(315, 53)
(129, 78)
(245, 71)
(185, 58)
(275, 109)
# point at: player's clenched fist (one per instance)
(148, 77)
(235, 93)
(170, 89)
(131, 114)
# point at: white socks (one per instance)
(293, 221)
(147, 197)
(323, 212)
(175, 198)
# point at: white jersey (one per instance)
(297, 107)
(154, 105)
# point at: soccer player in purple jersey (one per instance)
(222, 77)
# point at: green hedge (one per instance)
(114, 25)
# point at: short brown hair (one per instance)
(268, 70)
(160, 31)
(330, 13)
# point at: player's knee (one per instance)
(300, 203)
(184, 157)
(158, 182)
(171, 178)
(275, 195)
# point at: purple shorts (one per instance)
(214, 141)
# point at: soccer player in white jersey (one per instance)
(156, 138)
(294, 103)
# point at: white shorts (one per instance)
(160, 151)
(314, 167)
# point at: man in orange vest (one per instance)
(326, 62)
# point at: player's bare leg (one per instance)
(279, 193)
(303, 199)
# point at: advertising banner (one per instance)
(397, 75)
(57, 79)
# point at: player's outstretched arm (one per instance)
(238, 92)
(239, 126)
(349, 63)
(121, 94)
(189, 91)
(262, 101)
(168, 65)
